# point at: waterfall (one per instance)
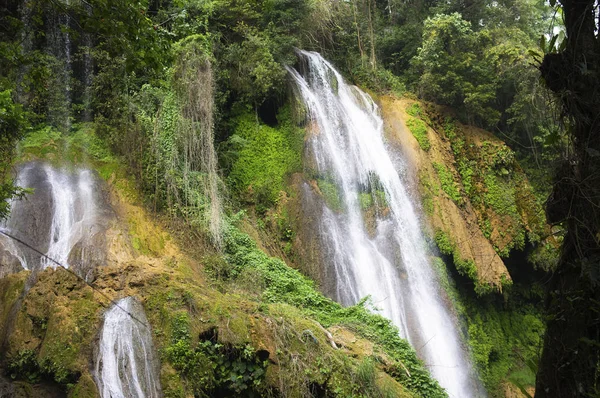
(126, 365)
(65, 217)
(388, 261)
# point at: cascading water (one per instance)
(126, 365)
(388, 262)
(64, 218)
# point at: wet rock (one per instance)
(9, 262)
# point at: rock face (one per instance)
(477, 200)
(30, 219)
(65, 216)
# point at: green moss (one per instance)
(467, 268)
(144, 236)
(11, 287)
(505, 343)
(428, 190)
(366, 200)
(85, 388)
(419, 130)
(331, 194)
(448, 285)
(261, 156)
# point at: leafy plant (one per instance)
(448, 184)
(419, 130)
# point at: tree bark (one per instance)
(569, 366)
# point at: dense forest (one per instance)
(251, 189)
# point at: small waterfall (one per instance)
(126, 365)
(65, 218)
(387, 260)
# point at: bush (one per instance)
(261, 156)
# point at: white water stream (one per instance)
(73, 213)
(126, 365)
(62, 218)
(391, 263)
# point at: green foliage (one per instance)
(212, 368)
(506, 344)
(500, 195)
(443, 242)
(453, 71)
(504, 333)
(254, 71)
(13, 122)
(366, 379)
(261, 157)
(464, 267)
(415, 110)
(27, 365)
(286, 285)
(24, 366)
(379, 80)
(509, 213)
(331, 193)
(419, 130)
(448, 184)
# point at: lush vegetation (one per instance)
(192, 97)
(505, 332)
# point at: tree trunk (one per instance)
(372, 37)
(362, 55)
(569, 366)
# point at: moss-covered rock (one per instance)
(474, 193)
(260, 328)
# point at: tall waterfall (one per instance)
(65, 217)
(389, 262)
(126, 365)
